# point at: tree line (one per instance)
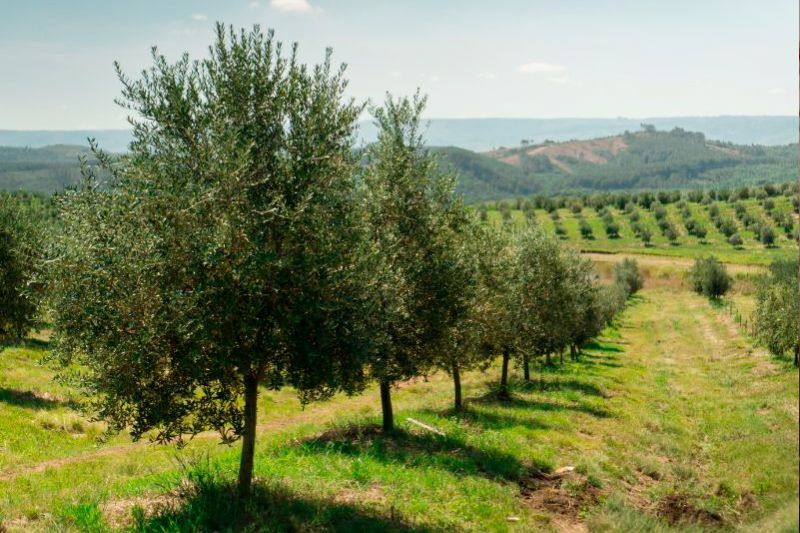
(243, 242)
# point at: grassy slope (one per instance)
(671, 417)
(752, 252)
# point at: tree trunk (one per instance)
(526, 368)
(386, 406)
(504, 374)
(548, 360)
(249, 436)
(561, 355)
(573, 352)
(797, 354)
(457, 386)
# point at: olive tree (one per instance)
(628, 276)
(224, 254)
(587, 317)
(416, 222)
(710, 278)
(778, 308)
(20, 250)
(541, 315)
(494, 307)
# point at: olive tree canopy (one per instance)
(226, 251)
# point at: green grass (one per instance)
(752, 252)
(671, 420)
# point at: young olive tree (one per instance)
(627, 275)
(586, 318)
(462, 348)
(710, 278)
(416, 223)
(542, 313)
(778, 308)
(497, 286)
(20, 252)
(225, 252)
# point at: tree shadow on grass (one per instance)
(418, 450)
(26, 343)
(209, 503)
(538, 405)
(556, 383)
(31, 400)
(605, 347)
(488, 419)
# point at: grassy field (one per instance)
(752, 251)
(672, 421)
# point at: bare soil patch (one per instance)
(562, 494)
(678, 508)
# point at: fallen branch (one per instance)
(426, 426)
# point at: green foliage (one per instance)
(778, 308)
(710, 278)
(554, 296)
(586, 230)
(481, 177)
(627, 276)
(766, 235)
(226, 252)
(20, 254)
(425, 280)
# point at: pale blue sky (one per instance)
(500, 58)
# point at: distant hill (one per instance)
(648, 159)
(482, 134)
(44, 170)
(645, 159)
(110, 140)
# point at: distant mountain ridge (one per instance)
(483, 134)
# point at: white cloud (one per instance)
(560, 80)
(776, 90)
(395, 74)
(487, 75)
(297, 6)
(254, 5)
(539, 67)
(433, 78)
(199, 16)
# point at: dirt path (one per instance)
(662, 261)
(708, 410)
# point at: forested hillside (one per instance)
(651, 159)
(46, 170)
(647, 159)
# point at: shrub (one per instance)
(586, 230)
(700, 232)
(727, 227)
(775, 318)
(20, 245)
(627, 275)
(710, 278)
(766, 235)
(612, 230)
(735, 240)
(671, 234)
